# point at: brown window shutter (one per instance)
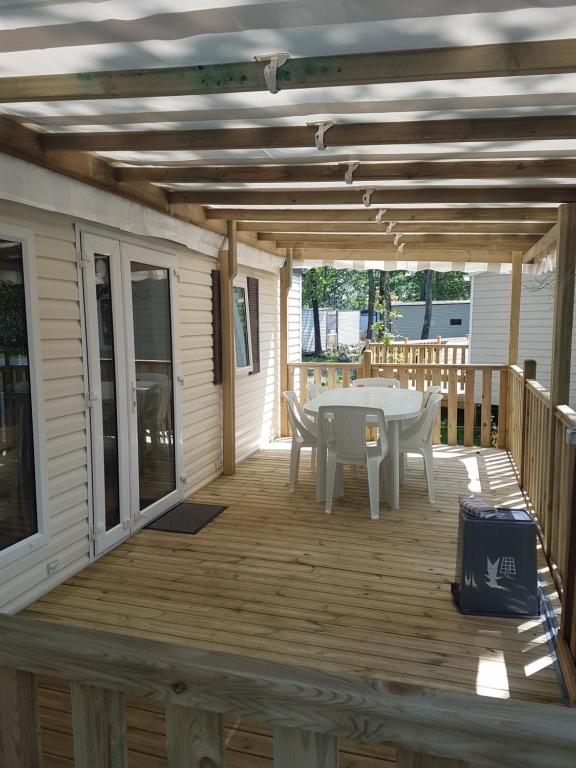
(254, 310)
(216, 328)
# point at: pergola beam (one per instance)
(489, 242)
(334, 172)
(494, 60)
(525, 128)
(504, 194)
(419, 227)
(535, 214)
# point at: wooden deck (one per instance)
(275, 578)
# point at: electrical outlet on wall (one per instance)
(53, 566)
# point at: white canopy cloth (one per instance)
(396, 404)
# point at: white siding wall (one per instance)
(490, 314)
(257, 395)
(62, 408)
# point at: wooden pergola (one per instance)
(476, 180)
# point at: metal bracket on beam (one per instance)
(352, 166)
(397, 237)
(274, 60)
(401, 247)
(367, 197)
(321, 130)
(380, 215)
(390, 227)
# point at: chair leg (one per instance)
(403, 461)
(330, 481)
(313, 459)
(294, 465)
(339, 481)
(428, 455)
(374, 488)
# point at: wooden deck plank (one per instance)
(273, 577)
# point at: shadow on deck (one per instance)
(275, 578)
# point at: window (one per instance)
(455, 321)
(242, 335)
(19, 519)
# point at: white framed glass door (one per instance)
(129, 306)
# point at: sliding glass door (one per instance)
(130, 331)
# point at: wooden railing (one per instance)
(308, 710)
(470, 392)
(416, 352)
(546, 472)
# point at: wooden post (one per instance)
(515, 297)
(228, 269)
(367, 363)
(407, 758)
(193, 738)
(285, 284)
(19, 725)
(98, 727)
(529, 373)
(295, 748)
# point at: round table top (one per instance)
(396, 403)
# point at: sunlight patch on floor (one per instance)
(492, 676)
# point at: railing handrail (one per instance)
(449, 724)
(460, 366)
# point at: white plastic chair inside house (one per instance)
(343, 432)
(304, 435)
(313, 390)
(376, 381)
(417, 438)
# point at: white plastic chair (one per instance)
(434, 390)
(377, 381)
(304, 435)
(417, 438)
(343, 431)
(313, 390)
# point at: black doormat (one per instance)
(186, 518)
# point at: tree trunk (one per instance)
(315, 313)
(385, 300)
(371, 301)
(427, 297)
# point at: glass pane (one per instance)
(154, 385)
(240, 328)
(108, 389)
(18, 517)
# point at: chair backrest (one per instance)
(422, 427)
(376, 382)
(313, 390)
(435, 390)
(343, 428)
(302, 426)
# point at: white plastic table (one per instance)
(397, 405)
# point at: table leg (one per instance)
(393, 490)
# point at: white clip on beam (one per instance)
(401, 247)
(274, 60)
(367, 197)
(352, 166)
(380, 215)
(321, 129)
(397, 237)
(390, 227)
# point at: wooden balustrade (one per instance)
(308, 710)
(419, 352)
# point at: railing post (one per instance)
(407, 758)
(193, 738)
(367, 363)
(98, 727)
(529, 373)
(295, 748)
(19, 726)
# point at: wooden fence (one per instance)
(416, 352)
(547, 478)
(464, 387)
(307, 710)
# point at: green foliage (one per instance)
(12, 313)
(348, 288)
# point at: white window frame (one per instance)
(39, 539)
(242, 282)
